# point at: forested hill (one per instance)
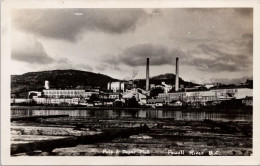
(71, 79)
(21, 84)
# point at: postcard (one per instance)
(130, 83)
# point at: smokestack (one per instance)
(177, 75)
(147, 74)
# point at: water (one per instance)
(149, 114)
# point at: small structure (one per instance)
(155, 102)
(34, 94)
(176, 103)
(208, 86)
(119, 103)
(166, 87)
(248, 101)
(114, 95)
(47, 84)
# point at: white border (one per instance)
(7, 5)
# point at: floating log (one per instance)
(49, 145)
(32, 118)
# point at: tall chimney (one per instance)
(119, 86)
(147, 74)
(177, 75)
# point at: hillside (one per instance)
(21, 84)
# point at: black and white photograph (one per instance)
(130, 81)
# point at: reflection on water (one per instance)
(177, 115)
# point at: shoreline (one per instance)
(158, 136)
(203, 109)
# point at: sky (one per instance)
(213, 44)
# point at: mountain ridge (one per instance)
(60, 79)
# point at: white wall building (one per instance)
(166, 87)
(116, 86)
(208, 86)
(70, 101)
(237, 93)
(56, 93)
(138, 93)
(199, 96)
(204, 96)
(47, 84)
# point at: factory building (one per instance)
(168, 97)
(128, 85)
(237, 93)
(57, 101)
(116, 86)
(202, 96)
(207, 96)
(139, 94)
(166, 87)
(58, 93)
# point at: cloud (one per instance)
(32, 53)
(158, 54)
(69, 24)
(61, 64)
(101, 67)
(84, 67)
(217, 60)
(247, 42)
(206, 57)
(210, 42)
(224, 56)
(211, 65)
(65, 63)
(230, 81)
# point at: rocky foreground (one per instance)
(81, 136)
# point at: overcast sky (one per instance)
(213, 45)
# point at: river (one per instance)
(141, 113)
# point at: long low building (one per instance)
(59, 93)
(237, 93)
(203, 96)
(73, 101)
